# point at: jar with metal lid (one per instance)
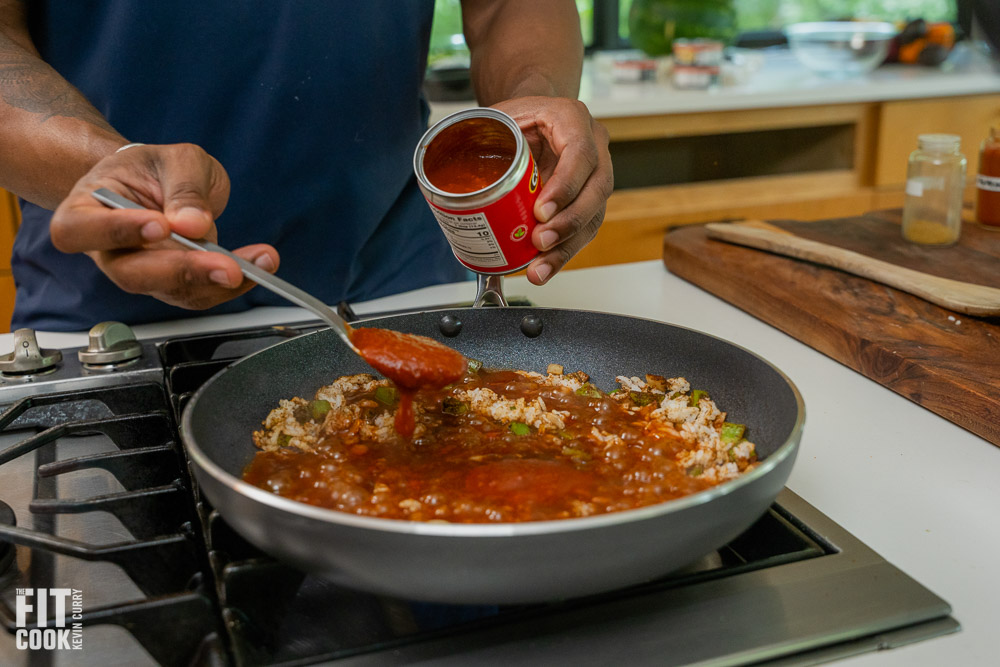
(988, 182)
(935, 181)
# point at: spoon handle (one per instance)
(251, 271)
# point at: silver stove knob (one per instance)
(27, 356)
(110, 343)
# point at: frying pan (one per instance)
(498, 563)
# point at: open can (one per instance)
(481, 182)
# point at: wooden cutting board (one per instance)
(945, 361)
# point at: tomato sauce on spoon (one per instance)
(411, 362)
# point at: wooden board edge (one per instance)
(831, 342)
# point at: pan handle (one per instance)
(489, 291)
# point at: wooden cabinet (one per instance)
(901, 123)
(10, 217)
(808, 163)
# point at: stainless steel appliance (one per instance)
(95, 496)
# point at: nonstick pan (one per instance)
(498, 563)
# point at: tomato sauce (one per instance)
(469, 173)
(466, 467)
(469, 156)
(411, 362)
(988, 181)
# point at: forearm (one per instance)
(50, 135)
(523, 47)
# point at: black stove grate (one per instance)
(296, 619)
(164, 557)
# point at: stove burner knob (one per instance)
(110, 343)
(27, 357)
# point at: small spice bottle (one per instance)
(988, 182)
(935, 181)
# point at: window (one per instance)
(757, 15)
(605, 22)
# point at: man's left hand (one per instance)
(571, 149)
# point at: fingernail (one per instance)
(191, 214)
(548, 238)
(265, 262)
(219, 277)
(543, 271)
(548, 210)
(153, 231)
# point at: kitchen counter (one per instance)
(917, 489)
(780, 82)
(783, 82)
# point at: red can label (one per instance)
(495, 238)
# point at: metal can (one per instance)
(481, 182)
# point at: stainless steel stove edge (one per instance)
(801, 613)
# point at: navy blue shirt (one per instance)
(312, 106)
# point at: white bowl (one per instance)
(840, 48)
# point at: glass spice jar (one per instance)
(935, 181)
(988, 182)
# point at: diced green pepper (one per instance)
(319, 408)
(520, 428)
(732, 433)
(386, 395)
(475, 365)
(616, 390)
(732, 453)
(590, 391)
(284, 439)
(641, 398)
(695, 471)
(575, 453)
(696, 397)
(452, 406)
(565, 435)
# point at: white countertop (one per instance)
(781, 82)
(917, 489)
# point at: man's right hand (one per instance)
(187, 189)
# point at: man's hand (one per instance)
(572, 153)
(187, 189)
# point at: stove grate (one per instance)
(165, 557)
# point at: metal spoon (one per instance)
(250, 270)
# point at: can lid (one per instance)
(432, 132)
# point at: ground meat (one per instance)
(498, 446)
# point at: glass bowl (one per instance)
(840, 49)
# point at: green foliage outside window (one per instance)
(446, 33)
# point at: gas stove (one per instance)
(108, 555)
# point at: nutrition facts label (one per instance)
(471, 238)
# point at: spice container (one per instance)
(477, 174)
(697, 63)
(935, 180)
(988, 182)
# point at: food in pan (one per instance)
(412, 362)
(498, 446)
